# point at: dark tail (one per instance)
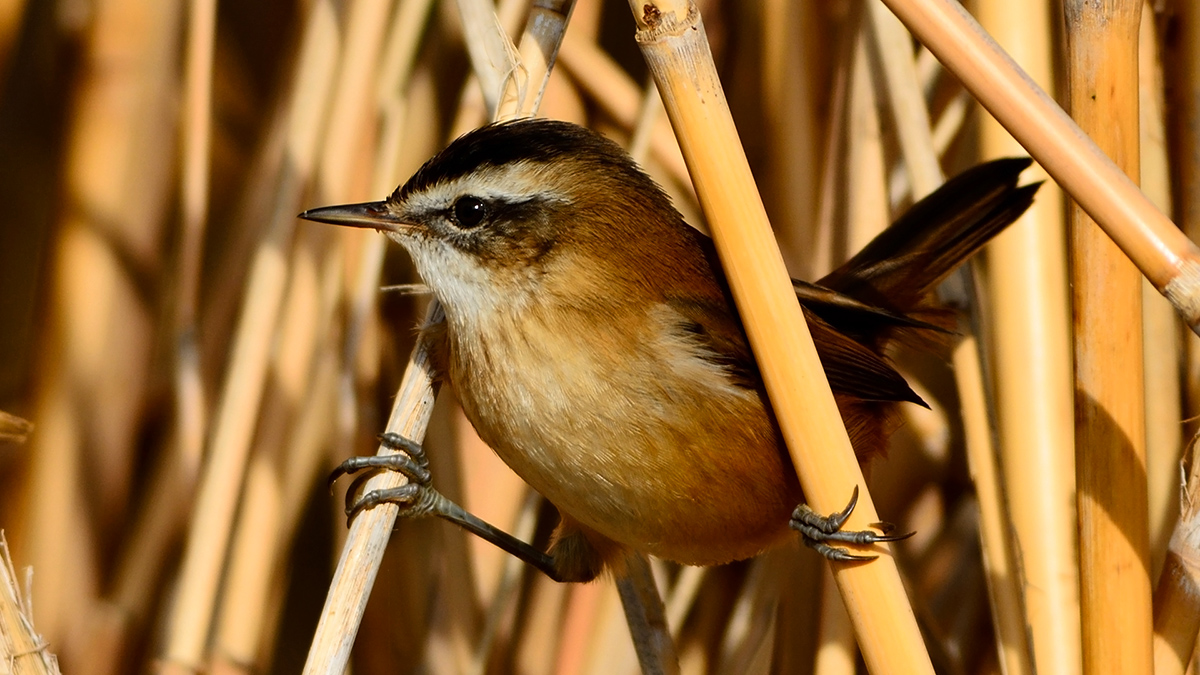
(882, 293)
(884, 285)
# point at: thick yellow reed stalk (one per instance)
(675, 46)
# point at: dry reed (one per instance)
(1030, 325)
(193, 360)
(1110, 451)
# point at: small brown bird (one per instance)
(593, 343)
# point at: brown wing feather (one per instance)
(856, 309)
(853, 369)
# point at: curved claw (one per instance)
(890, 537)
(352, 492)
(816, 530)
(334, 475)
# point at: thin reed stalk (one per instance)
(836, 649)
(191, 408)
(192, 360)
(867, 206)
(22, 650)
(912, 122)
(789, 95)
(370, 531)
(94, 359)
(1162, 346)
(1030, 328)
(235, 419)
(1168, 259)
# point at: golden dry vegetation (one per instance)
(194, 360)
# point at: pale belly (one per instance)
(675, 466)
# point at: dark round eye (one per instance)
(469, 211)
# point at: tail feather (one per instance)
(882, 293)
(883, 290)
(901, 265)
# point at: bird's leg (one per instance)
(418, 498)
(818, 531)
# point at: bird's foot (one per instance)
(819, 531)
(416, 498)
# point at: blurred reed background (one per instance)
(165, 316)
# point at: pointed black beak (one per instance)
(374, 215)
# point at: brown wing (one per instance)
(853, 369)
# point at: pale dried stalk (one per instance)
(234, 423)
(353, 107)
(866, 203)
(540, 48)
(748, 633)
(399, 55)
(1106, 294)
(602, 79)
(94, 357)
(788, 108)
(682, 596)
(912, 123)
(916, 141)
(830, 194)
(493, 58)
(258, 543)
(191, 408)
(674, 45)
(165, 504)
(945, 130)
(22, 650)
(1004, 583)
(353, 113)
(164, 507)
(836, 650)
(1163, 254)
(650, 112)
(537, 643)
(893, 48)
(1030, 350)
(1162, 346)
(371, 529)
(283, 466)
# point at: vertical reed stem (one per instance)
(1031, 349)
(1110, 419)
